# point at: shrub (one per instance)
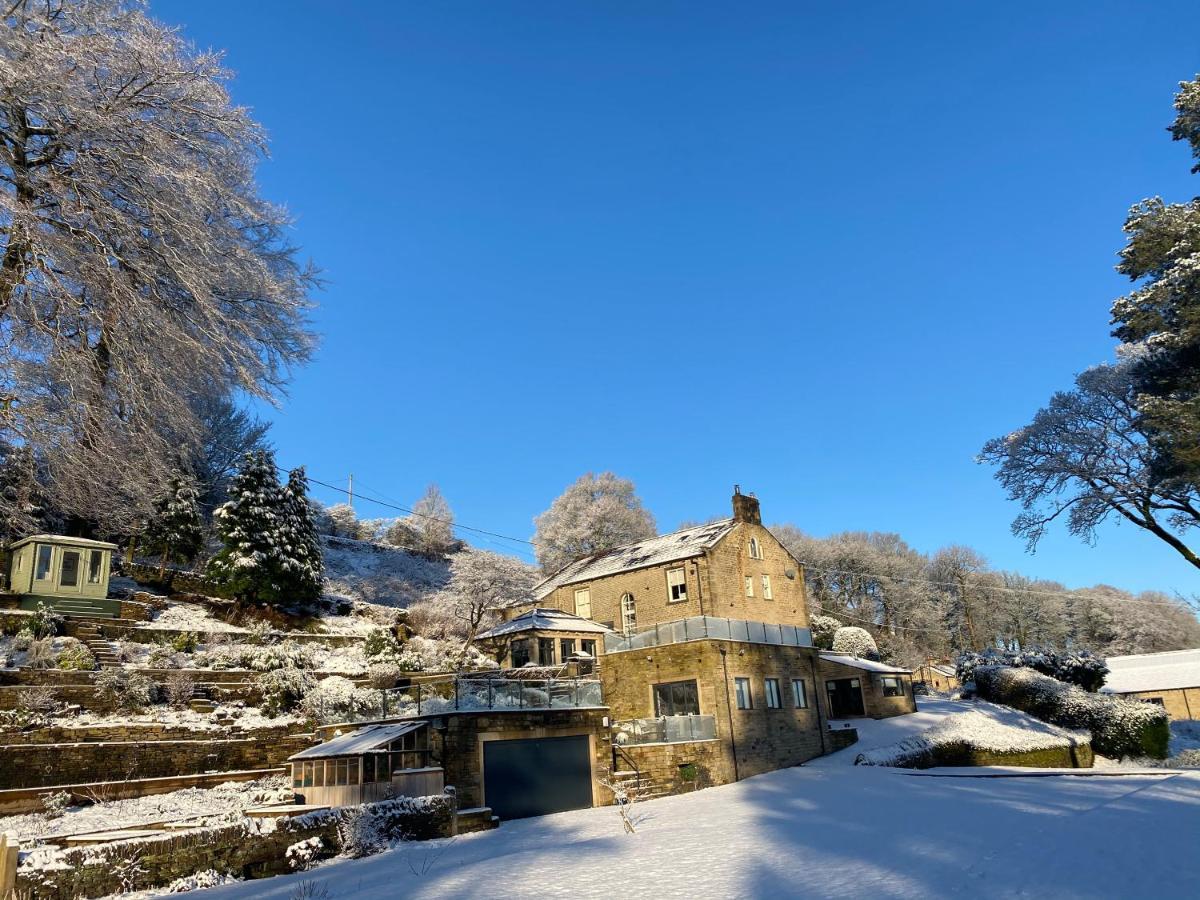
(55, 803)
(381, 642)
(36, 704)
(180, 689)
(383, 675)
(185, 642)
(131, 692)
(855, 641)
(337, 699)
(283, 689)
(45, 622)
(1119, 727)
(260, 634)
(288, 655)
(76, 657)
(41, 654)
(1079, 667)
(162, 657)
(823, 629)
(23, 639)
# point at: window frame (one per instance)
(755, 549)
(767, 593)
(38, 574)
(77, 572)
(897, 686)
(95, 566)
(628, 614)
(743, 692)
(656, 692)
(682, 585)
(799, 693)
(772, 693)
(544, 643)
(525, 645)
(566, 648)
(587, 603)
(588, 647)
(749, 585)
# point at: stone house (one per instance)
(938, 675)
(708, 669)
(1170, 679)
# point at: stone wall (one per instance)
(245, 849)
(136, 732)
(755, 740)
(875, 704)
(841, 738)
(664, 767)
(55, 764)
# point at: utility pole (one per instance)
(350, 490)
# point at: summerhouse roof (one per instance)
(361, 740)
(867, 664)
(62, 540)
(1167, 671)
(544, 620)
(682, 544)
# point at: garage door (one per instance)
(537, 776)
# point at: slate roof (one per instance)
(677, 545)
(544, 620)
(1167, 671)
(866, 664)
(361, 740)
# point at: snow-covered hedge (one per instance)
(961, 738)
(823, 629)
(1080, 667)
(855, 641)
(1119, 727)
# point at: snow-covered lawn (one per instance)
(817, 831)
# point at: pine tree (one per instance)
(252, 527)
(176, 532)
(304, 564)
(21, 506)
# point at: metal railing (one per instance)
(665, 730)
(699, 627)
(482, 692)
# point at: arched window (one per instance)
(628, 614)
(755, 549)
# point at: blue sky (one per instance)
(823, 251)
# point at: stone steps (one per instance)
(477, 818)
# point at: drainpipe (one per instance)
(812, 662)
(729, 712)
(700, 589)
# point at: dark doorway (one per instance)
(845, 698)
(537, 776)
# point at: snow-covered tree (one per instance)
(22, 510)
(596, 513)
(343, 520)
(855, 641)
(433, 521)
(481, 583)
(138, 262)
(175, 532)
(823, 629)
(270, 553)
(227, 434)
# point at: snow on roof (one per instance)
(682, 544)
(867, 664)
(948, 671)
(62, 539)
(361, 740)
(1152, 672)
(544, 620)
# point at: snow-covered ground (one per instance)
(816, 831)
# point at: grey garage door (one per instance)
(537, 776)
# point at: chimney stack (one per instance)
(745, 507)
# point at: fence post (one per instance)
(418, 698)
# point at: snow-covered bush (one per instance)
(361, 834)
(35, 705)
(855, 641)
(1079, 667)
(22, 640)
(45, 622)
(287, 655)
(163, 657)
(823, 629)
(1119, 727)
(128, 691)
(76, 656)
(301, 855)
(283, 689)
(383, 675)
(337, 699)
(180, 688)
(209, 878)
(260, 634)
(55, 803)
(41, 654)
(381, 644)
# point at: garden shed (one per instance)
(863, 687)
(68, 573)
(366, 765)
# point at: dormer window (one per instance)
(755, 549)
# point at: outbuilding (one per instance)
(863, 687)
(68, 573)
(368, 764)
(544, 637)
(1170, 679)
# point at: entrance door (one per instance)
(537, 776)
(845, 698)
(70, 574)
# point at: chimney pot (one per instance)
(745, 508)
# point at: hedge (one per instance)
(1119, 727)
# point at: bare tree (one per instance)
(596, 513)
(1090, 455)
(139, 268)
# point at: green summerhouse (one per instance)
(70, 574)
